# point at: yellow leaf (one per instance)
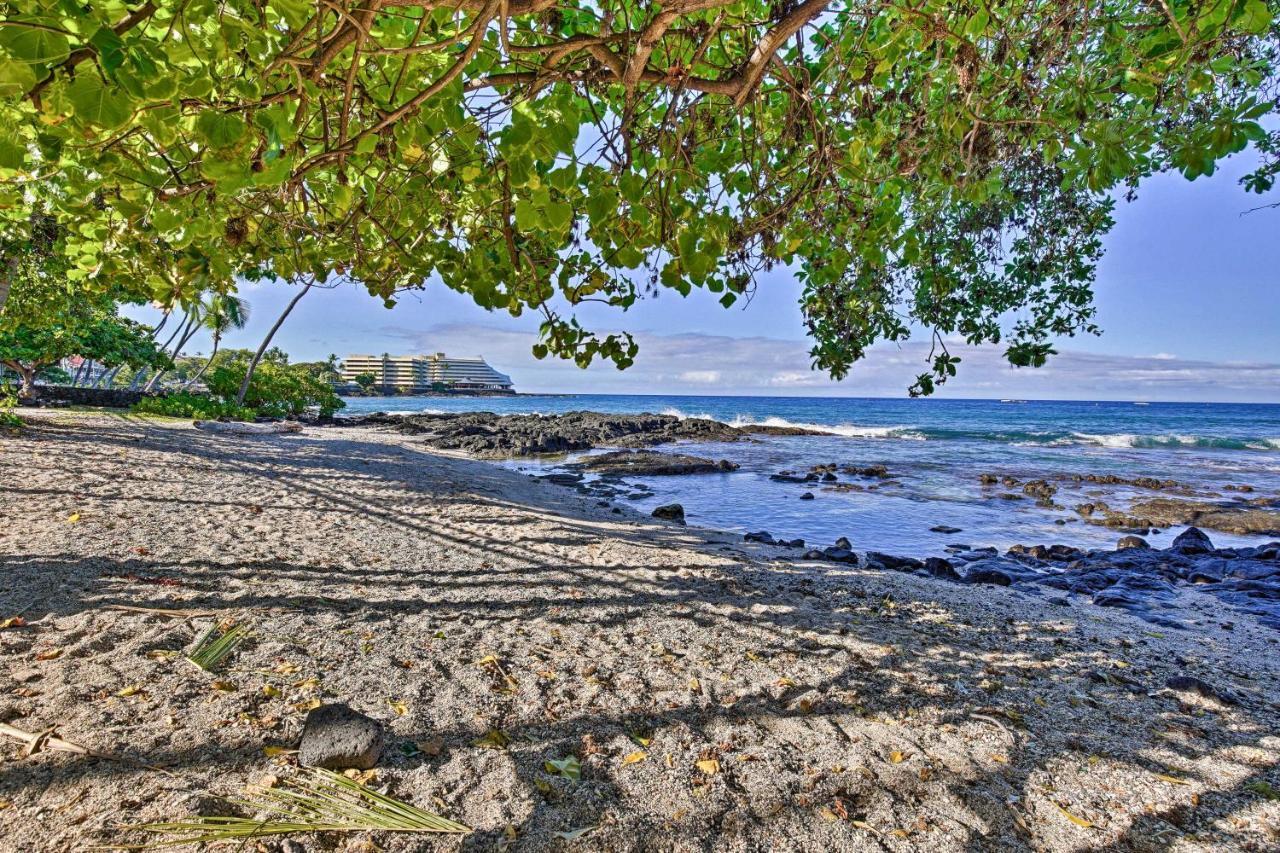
(635, 757)
(307, 684)
(49, 654)
(493, 739)
(131, 690)
(828, 814)
(900, 833)
(13, 622)
(270, 691)
(162, 654)
(73, 518)
(309, 705)
(273, 751)
(1172, 780)
(786, 682)
(865, 827)
(1078, 821)
(694, 685)
(224, 686)
(399, 707)
(897, 757)
(710, 766)
(1000, 758)
(486, 660)
(286, 668)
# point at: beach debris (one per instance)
(48, 739)
(567, 767)
(238, 428)
(319, 801)
(670, 512)
(216, 645)
(338, 737)
(13, 622)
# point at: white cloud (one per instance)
(700, 377)
(759, 365)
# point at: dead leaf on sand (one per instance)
(493, 739)
(634, 757)
(709, 766)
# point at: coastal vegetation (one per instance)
(945, 167)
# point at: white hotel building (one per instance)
(434, 372)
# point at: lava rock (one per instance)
(670, 512)
(1127, 542)
(1192, 541)
(1191, 684)
(840, 555)
(807, 496)
(761, 536)
(941, 568)
(843, 542)
(944, 528)
(338, 737)
(897, 564)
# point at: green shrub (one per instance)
(8, 400)
(278, 389)
(184, 404)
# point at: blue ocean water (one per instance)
(935, 449)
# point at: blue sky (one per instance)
(1188, 296)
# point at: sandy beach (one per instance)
(716, 695)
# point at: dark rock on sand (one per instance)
(670, 512)
(941, 568)
(843, 542)
(1192, 541)
(990, 571)
(1191, 684)
(897, 564)
(338, 737)
(651, 463)
(840, 555)
(762, 536)
(1127, 542)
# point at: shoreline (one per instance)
(957, 715)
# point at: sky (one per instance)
(1188, 297)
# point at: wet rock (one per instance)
(338, 737)
(670, 512)
(894, 563)
(840, 555)
(940, 568)
(943, 528)
(988, 479)
(1041, 489)
(1192, 541)
(807, 496)
(1242, 517)
(1127, 542)
(792, 477)
(651, 463)
(877, 471)
(792, 543)
(814, 554)
(844, 543)
(1190, 684)
(762, 536)
(989, 572)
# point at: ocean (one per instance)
(935, 451)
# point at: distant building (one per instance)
(434, 372)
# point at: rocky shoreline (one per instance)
(1134, 577)
(486, 435)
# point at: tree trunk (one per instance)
(6, 279)
(266, 342)
(194, 379)
(190, 331)
(108, 377)
(28, 374)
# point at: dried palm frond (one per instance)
(217, 644)
(322, 801)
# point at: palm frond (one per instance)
(216, 645)
(322, 801)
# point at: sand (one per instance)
(717, 696)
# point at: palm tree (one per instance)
(222, 313)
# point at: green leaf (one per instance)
(96, 104)
(16, 78)
(219, 130)
(1254, 17)
(30, 42)
(295, 12)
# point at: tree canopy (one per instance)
(921, 164)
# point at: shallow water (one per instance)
(935, 450)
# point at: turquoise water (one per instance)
(936, 449)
